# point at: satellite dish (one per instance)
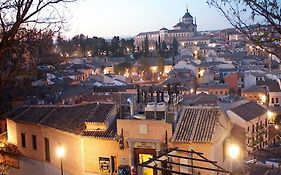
(166, 97)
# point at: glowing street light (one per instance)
(233, 151)
(263, 99)
(60, 153)
(191, 91)
(270, 117)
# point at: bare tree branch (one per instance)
(258, 20)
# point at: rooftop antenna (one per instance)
(187, 7)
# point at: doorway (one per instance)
(143, 155)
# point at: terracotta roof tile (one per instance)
(249, 111)
(111, 131)
(196, 124)
(66, 118)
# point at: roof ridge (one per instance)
(47, 115)
(177, 125)
(217, 121)
(92, 113)
(28, 107)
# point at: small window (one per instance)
(34, 142)
(23, 144)
(272, 100)
(257, 127)
(277, 100)
(47, 149)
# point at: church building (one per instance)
(182, 31)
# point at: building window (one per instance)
(272, 100)
(277, 100)
(23, 144)
(257, 127)
(34, 142)
(47, 149)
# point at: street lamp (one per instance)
(233, 151)
(60, 154)
(271, 117)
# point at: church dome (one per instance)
(180, 24)
(187, 15)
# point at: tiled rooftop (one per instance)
(111, 132)
(196, 124)
(66, 118)
(249, 111)
(255, 88)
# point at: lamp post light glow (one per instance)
(233, 151)
(270, 117)
(191, 91)
(263, 99)
(60, 153)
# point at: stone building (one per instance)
(183, 30)
(99, 137)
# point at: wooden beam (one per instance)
(193, 166)
(208, 160)
(164, 169)
(186, 151)
(161, 155)
(182, 157)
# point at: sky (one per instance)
(108, 18)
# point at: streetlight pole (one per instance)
(60, 154)
(61, 168)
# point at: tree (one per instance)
(114, 47)
(156, 46)
(19, 19)
(146, 46)
(159, 44)
(160, 64)
(258, 20)
(163, 49)
(121, 67)
(143, 64)
(175, 46)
